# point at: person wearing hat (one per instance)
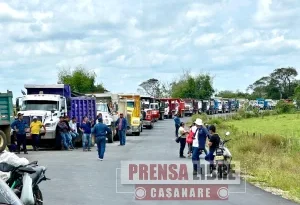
(20, 126)
(35, 129)
(198, 144)
(121, 125)
(100, 132)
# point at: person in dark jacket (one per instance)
(121, 125)
(63, 131)
(86, 128)
(177, 124)
(100, 131)
(20, 126)
(213, 144)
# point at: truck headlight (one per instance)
(136, 122)
(50, 124)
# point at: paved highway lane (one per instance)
(79, 178)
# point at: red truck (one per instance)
(173, 106)
(190, 107)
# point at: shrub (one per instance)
(285, 107)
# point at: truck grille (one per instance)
(129, 119)
(28, 119)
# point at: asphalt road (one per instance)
(79, 178)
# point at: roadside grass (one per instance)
(268, 149)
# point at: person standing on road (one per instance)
(35, 129)
(190, 137)
(63, 129)
(101, 131)
(198, 145)
(177, 124)
(74, 132)
(182, 135)
(213, 144)
(20, 126)
(121, 125)
(86, 128)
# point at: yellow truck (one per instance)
(135, 124)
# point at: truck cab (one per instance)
(46, 107)
(154, 107)
(134, 119)
(188, 107)
(107, 114)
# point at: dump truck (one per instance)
(49, 102)
(6, 118)
(175, 106)
(134, 116)
(104, 105)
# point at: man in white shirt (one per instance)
(74, 133)
(198, 144)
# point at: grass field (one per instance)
(284, 125)
(272, 156)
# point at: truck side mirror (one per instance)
(18, 104)
(52, 111)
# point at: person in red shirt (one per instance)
(189, 139)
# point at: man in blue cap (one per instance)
(100, 131)
(20, 126)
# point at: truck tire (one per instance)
(3, 141)
(110, 138)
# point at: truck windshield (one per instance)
(102, 108)
(39, 105)
(130, 104)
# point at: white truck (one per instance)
(48, 103)
(110, 105)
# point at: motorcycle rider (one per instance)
(213, 144)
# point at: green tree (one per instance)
(188, 86)
(297, 96)
(80, 79)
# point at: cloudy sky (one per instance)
(129, 41)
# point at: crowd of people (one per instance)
(67, 133)
(197, 137)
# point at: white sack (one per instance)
(27, 193)
(12, 159)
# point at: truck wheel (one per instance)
(110, 138)
(3, 141)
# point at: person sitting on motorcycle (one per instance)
(213, 144)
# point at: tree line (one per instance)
(280, 84)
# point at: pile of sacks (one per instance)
(12, 159)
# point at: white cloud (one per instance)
(130, 41)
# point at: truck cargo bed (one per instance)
(82, 106)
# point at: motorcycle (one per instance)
(15, 182)
(222, 159)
